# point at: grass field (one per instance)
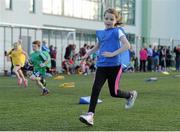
(157, 106)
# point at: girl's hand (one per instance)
(85, 56)
(107, 54)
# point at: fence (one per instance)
(145, 42)
(59, 37)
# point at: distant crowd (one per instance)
(156, 58)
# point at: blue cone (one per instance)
(86, 100)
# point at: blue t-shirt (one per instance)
(109, 40)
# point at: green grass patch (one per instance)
(157, 106)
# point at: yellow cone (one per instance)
(67, 85)
(166, 73)
(59, 78)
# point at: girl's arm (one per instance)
(93, 50)
(9, 53)
(25, 54)
(125, 46)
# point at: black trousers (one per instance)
(112, 75)
(142, 65)
(150, 63)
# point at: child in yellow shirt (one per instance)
(18, 56)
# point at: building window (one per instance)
(90, 9)
(87, 9)
(52, 7)
(9, 4)
(32, 6)
(131, 38)
(127, 9)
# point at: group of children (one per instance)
(79, 65)
(112, 56)
(39, 59)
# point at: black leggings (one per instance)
(102, 74)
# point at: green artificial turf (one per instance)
(156, 108)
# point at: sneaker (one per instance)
(131, 100)
(25, 83)
(45, 91)
(87, 119)
(68, 73)
(19, 81)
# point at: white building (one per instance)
(160, 20)
(60, 22)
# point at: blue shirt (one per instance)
(109, 40)
(45, 48)
(150, 52)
